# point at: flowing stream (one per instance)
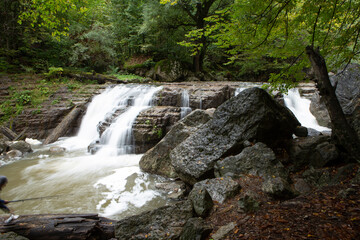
(110, 182)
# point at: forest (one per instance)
(238, 39)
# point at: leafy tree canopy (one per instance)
(281, 29)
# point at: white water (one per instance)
(185, 104)
(107, 183)
(301, 108)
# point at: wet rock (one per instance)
(163, 223)
(317, 177)
(195, 229)
(256, 160)
(223, 231)
(251, 115)
(278, 188)
(152, 124)
(13, 154)
(176, 190)
(248, 204)
(301, 131)
(316, 151)
(319, 111)
(157, 159)
(57, 149)
(22, 146)
(3, 146)
(324, 154)
(348, 93)
(201, 200)
(94, 147)
(343, 173)
(220, 189)
(301, 186)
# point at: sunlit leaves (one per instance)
(50, 14)
(281, 29)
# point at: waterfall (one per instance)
(117, 138)
(185, 103)
(301, 108)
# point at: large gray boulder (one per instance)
(258, 160)
(348, 93)
(220, 189)
(22, 146)
(195, 229)
(252, 115)
(157, 159)
(201, 200)
(317, 151)
(163, 223)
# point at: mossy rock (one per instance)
(170, 71)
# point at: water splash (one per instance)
(301, 108)
(185, 103)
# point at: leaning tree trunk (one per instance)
(342, 132)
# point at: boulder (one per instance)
(175, 190)
(258, 160)
(251, 115)
(223, 231)
(170, 71)
(301, 131)
(152, 124)
(347, 84)
(3, 146)
(22, 146)
(195, 229)
(162, 223)
(157, 159)
(317, 177)
(57, 149)
(278, 188)
(317, 151)
(201, 200)
(248, 204)
(13, 154)
(219, 189)
(319, 110)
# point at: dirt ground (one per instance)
(331, 212)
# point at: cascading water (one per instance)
(185, 104)
(301, 108)
(106, 183)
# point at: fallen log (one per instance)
(63, 126)
(22, 135)
(8, 133)
(60, 227)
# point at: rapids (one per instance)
(110, 182)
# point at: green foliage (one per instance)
(127, 77)
(23, 98)
(94, 48)
(54, 72)
(282, 29)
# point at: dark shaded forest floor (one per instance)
(331, 212)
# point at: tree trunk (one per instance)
(63, 126)
(342, 132)
(61, 227)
